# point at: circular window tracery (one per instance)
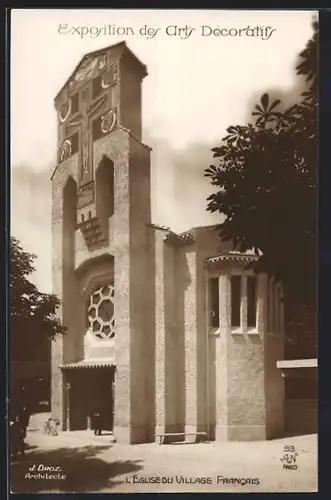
(101, 312)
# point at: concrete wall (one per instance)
(130, 94)
(189, 290)
(140, 287)
(245, 376)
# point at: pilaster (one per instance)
(221, 355)
(190, 294)
(160, 336)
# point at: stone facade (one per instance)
(182, 368)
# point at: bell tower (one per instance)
(101, 214)
(102, 95)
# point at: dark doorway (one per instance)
(91, 391)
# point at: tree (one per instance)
(33, 313)
(266, 184)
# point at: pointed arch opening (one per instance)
(69, 222)
(105, 193)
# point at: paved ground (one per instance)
(81, 462)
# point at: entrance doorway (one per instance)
(91, 391)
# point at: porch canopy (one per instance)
(89, 363)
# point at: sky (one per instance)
(206, 70)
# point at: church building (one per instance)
(170, 336)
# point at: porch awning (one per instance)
(233, 259)
(89, 363)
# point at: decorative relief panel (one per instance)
(101, 311)
(109, 121)
(85, 114)
(65, 150)
(105, 124)
(90, 68)
(68, 148)
(82, 123)
(64, 111)
(110, 77)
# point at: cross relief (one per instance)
(82, 122)
(89, 109)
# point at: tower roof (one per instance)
(117, 50)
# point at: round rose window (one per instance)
(101, 312)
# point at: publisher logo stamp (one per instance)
(289, 458)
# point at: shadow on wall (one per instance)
(85, 471)
(105, 193)
(69, 281)
(150, 373)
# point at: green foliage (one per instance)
(266, 182)
(33, 313)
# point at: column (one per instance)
(221, 369)
(243, 305)
(68, 403)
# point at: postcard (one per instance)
(163, 313)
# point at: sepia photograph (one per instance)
(163, 246)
